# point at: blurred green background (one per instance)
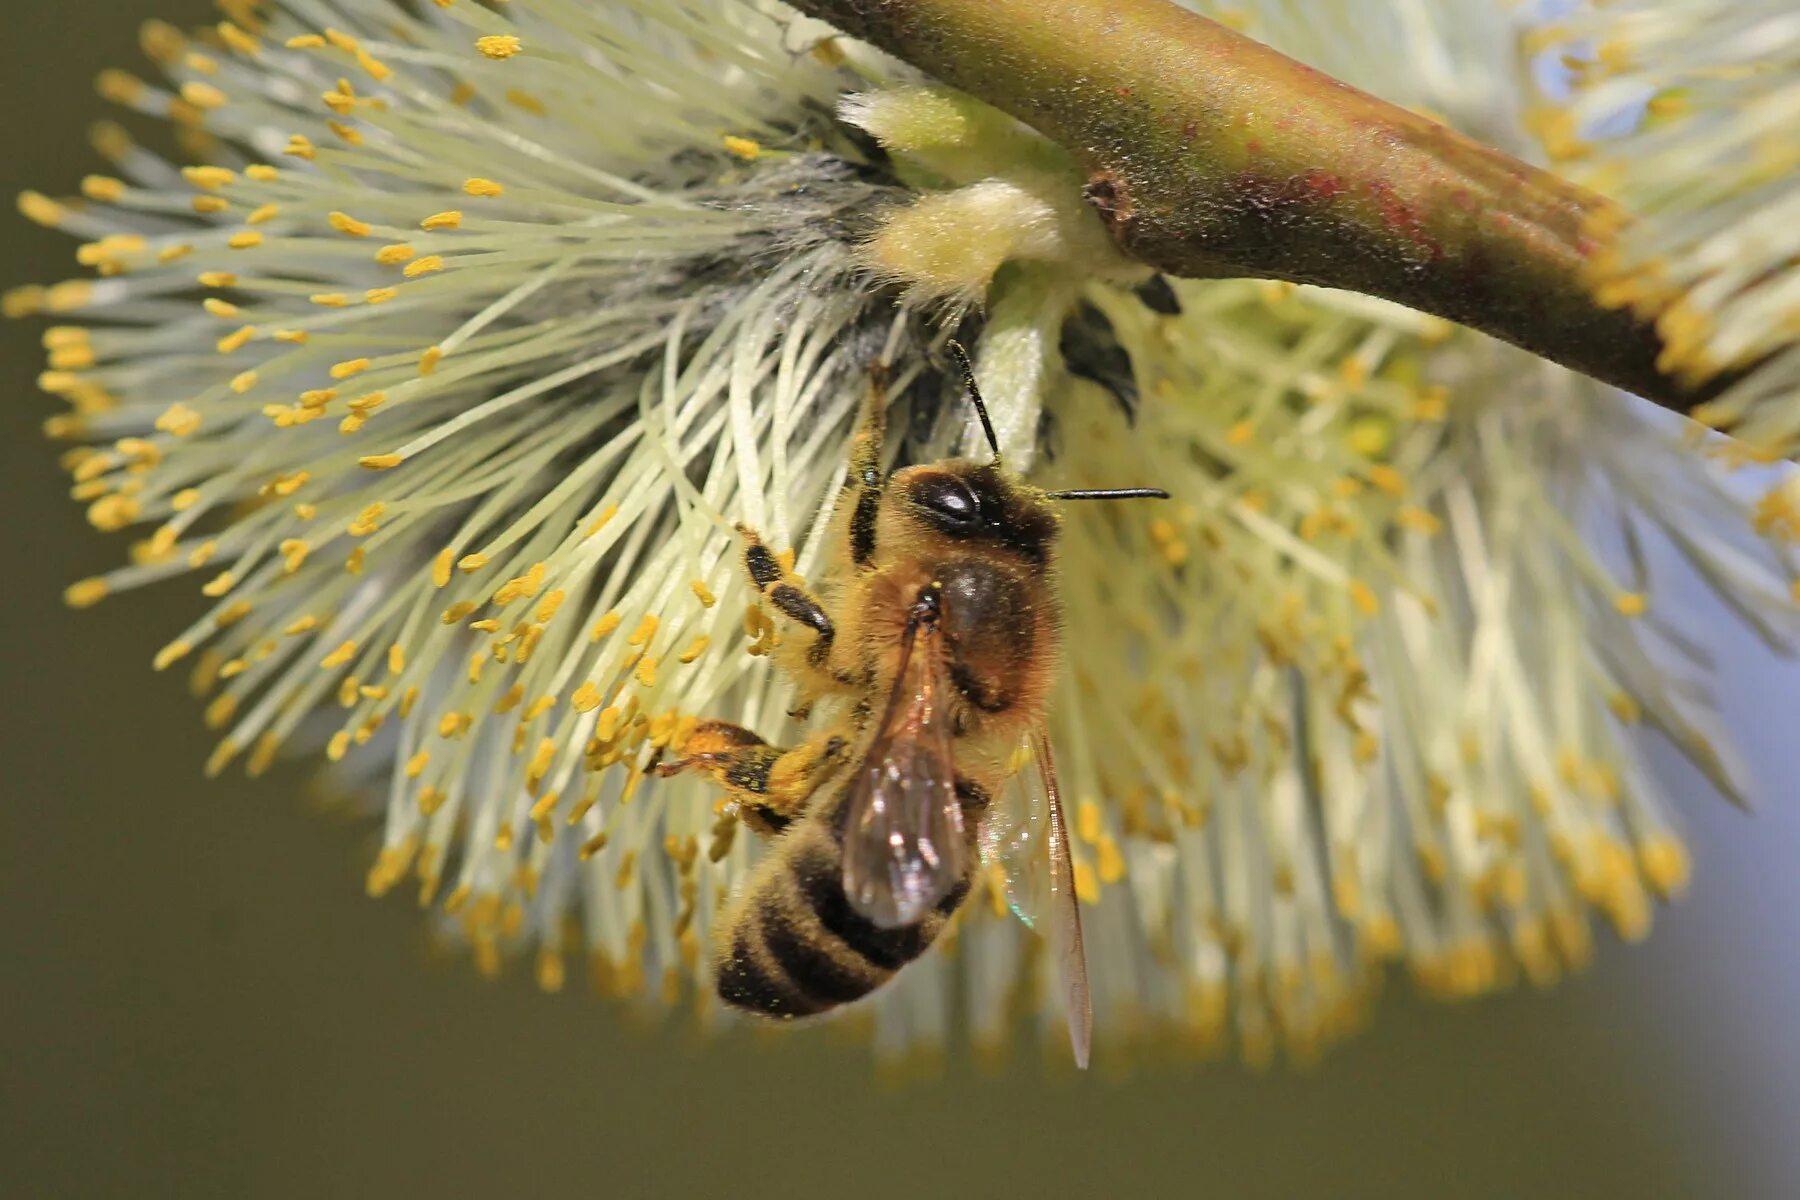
(198, 1000)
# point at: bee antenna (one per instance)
(968, 373)
(1110, 494)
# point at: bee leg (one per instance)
(769, 784)
(788, 598)
(864, 479)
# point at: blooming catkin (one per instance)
(448, 369)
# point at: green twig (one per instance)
(1211, 155)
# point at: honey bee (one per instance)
(936, 645)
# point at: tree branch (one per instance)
(1210, 155)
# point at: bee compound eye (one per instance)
(949, 499)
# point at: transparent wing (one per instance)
(1015, 838)
(1026, 838)
(904, 847)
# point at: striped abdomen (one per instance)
(794, 946)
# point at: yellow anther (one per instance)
(394, 255)
(203, 95)
(646, 671)
(1632, 604)
(645, 631)
(605, 625)
(1388, 480)
(498, 46)
(209, 179)
(600, 522)
(220, 711)
(236, 38)
(86, 593)
(486, 188)
(263, 214)
(346, 224)
(449, 219)
(744, 148)
(586, 698)
(103, 189)
(423, 266)
(349, 367)
(458, 611)
(379, 462)
(380, 295)
(339, 657)
(236, 340)
(429, 360)
(247, 239)
(695, 649)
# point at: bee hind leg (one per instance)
(769, 784)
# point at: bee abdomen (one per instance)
(798, 948)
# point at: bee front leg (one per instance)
(785, 594)
(769, 784)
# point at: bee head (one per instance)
(964, 500)
(979, 503)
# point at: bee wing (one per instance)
(1027, 839)
(904, 848)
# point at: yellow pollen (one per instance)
(203, 95)
(394, 255)
(450, 219)
(498, 46)
(339, 657)
(424, 266)
(209, 179)
(236, 340)
(102, 189)
(39, 208)
(346, 224)
(744, 148)
(586, 698)
(645, 631)
(86, 593)
(600, 522)
(483, 187)
(349, 367)
(703, 593)
(646, 671)
(605, 625)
